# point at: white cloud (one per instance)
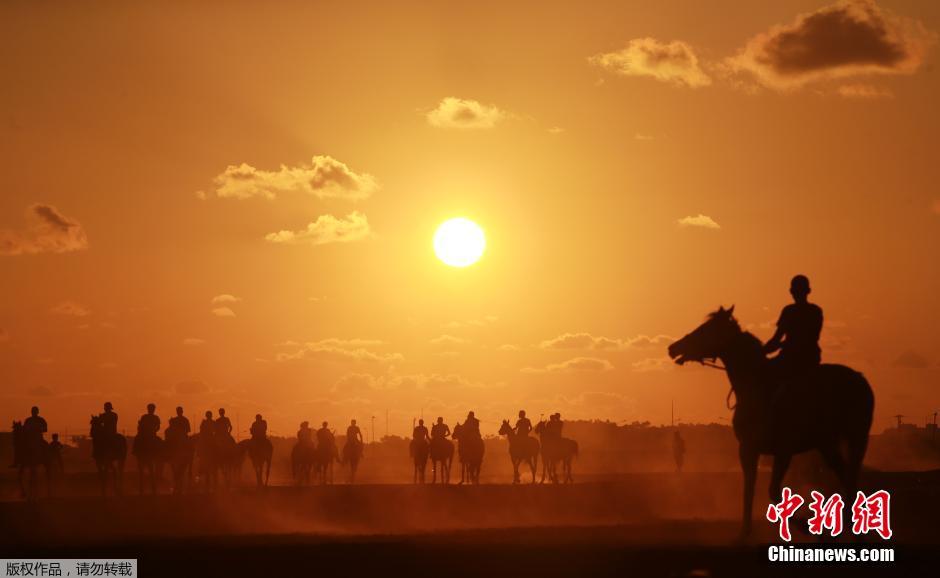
(700, 220)
(324, 177)
(223, 312)
(326, 229)
(587, 341)
(462, 113)
(673, 62)
(225, 298)
(577, 364)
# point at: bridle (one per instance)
(713, 365)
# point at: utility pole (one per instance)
(386, 422)
(373, 429)
(898, 417)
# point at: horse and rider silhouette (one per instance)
(522, 448)
(789, 404)
(557, 450)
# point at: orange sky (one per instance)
(634, 165)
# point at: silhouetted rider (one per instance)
(797, 335)
(325, 436)
(178, 427)
(420, 433)
(305, 434)
(353, 433)
(35, 425)
(259, 428)
(440, 430)
(108, 420)
(149, 424)
(472, 425)
(523, 425)
(207, 427)
(223, 425)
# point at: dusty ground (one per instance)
(643, 525)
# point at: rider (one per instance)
(420, 432)
(34, 426)
(259, 428)
(149, 424)
(324, 436)
(305, 434)
(207, 427)
(353, 433)
(523, 425)
(440, 430)
(178, 427)
(797, 335)
(472, 425)
(108, 420)
(223, 425)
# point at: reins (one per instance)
(714, 365)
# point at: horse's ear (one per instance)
(731, 310)
(721, 309)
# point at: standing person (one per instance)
(797, 335)
(678, 450)
(55, 450)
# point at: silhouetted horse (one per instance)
(441, 452)
(30, 452)
(261, 453)
(420, 451)
(521, 449)
(352, 454)
(470, 449)
(821, 411)
(326, 454)
(556, 451)
(302, 458)
(110, 453)
(150, 454)
(180, 452)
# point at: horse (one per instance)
(556, 450)
(179, 452)
(470, 449)
(109, 452)
(326, 453)
(441, 451)
(30, 452)
(352, 453)
(420, 451)
(302, 458)
(829, 407)
(522, 448)
(261, 452)
(151, 454)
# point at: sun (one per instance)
(459, 242)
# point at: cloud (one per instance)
(588, 341)
(49, 232)
(354, 350)
(863, 91)
(700, 220)
(324, 177)
(849, 38)
(911, 360)
(448, 341)
(41, 391)
(191, 387)
(326, 229)
(223, 312)
(225, 298)
(462, 113)
(652, 364)
(70, 309)
(193, 341)
(556, 130)
(673, 62)
(577, 364)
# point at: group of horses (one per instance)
(317, 458)
(555, 451)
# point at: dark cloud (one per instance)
(674, 62)
(849, 38)
(49, 232)
(41, 391)
(911, 360)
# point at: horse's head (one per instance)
(708, 340)
(505, 428)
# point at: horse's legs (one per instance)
(781, 463)
(748, 460)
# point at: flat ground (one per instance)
(642, 525)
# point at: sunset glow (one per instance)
(459, 242)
